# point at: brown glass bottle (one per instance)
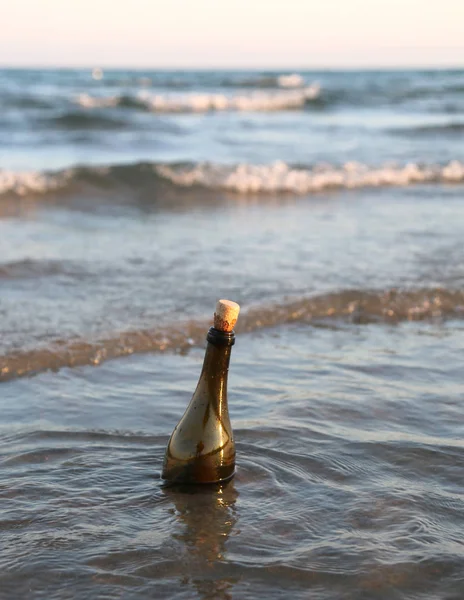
(201, 448)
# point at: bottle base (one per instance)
(192, 475)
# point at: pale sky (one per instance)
(232, 33)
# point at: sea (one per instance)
(330, 206)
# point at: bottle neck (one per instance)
(216, 363)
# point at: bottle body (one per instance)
(201, 448)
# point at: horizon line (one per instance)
(109, 67)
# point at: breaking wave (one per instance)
(275, 178)
(280, 177)
(24, 183)
(198, 102)
(238, 92)
(356, 306)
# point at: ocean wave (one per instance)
(198, 102)
(85, 120)
(24, 183)
(240, 92)
(356, 306)
(433, 90)
(244, 179)
(450, 128)
(26, 101)
(290, 80)
(118, 100)
(30, 268)
(280, 177)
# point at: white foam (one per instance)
(87, 101)
(255, 101)
(291, 81)
(277, 177)
(280, 177)
(197, 103)
(27, 182)
(97, 73)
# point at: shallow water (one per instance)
(349, 481)
(78, 286)
(333, 212)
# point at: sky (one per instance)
(232, 33)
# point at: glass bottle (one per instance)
(201, 448)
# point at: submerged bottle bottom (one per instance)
(197, 471)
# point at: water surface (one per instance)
(330, 206)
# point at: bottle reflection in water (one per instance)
(207, 518)
(201, 448)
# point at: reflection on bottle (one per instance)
(207, 516)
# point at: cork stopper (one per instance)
(226, 315)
